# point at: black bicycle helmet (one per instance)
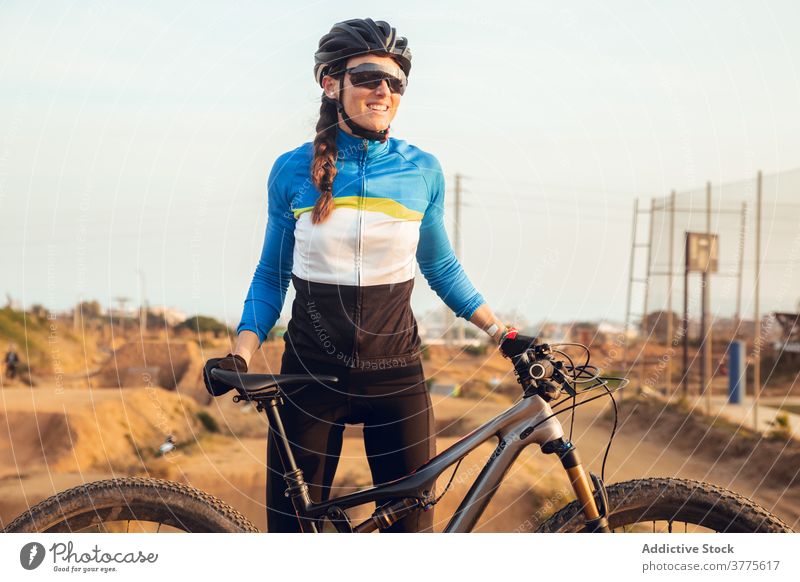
(353, 38)
(359, 37)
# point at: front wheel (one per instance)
(671, 505)
(131, 504)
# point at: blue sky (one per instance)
(137, 137)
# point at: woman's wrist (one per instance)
(484, 319)
(496, 332)
(247, 344)
(243, 353)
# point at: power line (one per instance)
(552, 186)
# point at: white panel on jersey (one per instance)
(355, 247)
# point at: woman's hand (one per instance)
(231, 362)
(513, 343)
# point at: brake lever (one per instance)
(565, 384)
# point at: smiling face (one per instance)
(372, 109)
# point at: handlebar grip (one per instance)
(514, 344)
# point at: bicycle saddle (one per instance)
(266, 384)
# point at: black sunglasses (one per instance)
(371, 75)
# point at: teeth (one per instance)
(378, 107)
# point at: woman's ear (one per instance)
(330, 86)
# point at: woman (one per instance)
(350, 216)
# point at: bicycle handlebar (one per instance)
(540, 372)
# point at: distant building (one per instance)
(171, 315)
(613, 329)
(552, 332)
(586, 333)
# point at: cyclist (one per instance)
(11, 361)
(349, 217)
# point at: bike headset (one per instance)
(352, 38)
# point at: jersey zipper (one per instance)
(360, 248)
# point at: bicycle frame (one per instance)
(529, 421)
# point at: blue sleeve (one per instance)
(435, 255)
(264, 300)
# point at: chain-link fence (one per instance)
(730, 211)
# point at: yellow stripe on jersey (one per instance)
(385, 205)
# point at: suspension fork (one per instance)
(596, 514)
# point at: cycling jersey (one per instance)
(353, 273)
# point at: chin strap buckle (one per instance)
(380, 136)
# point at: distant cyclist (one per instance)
(350, 216)
(11, 362)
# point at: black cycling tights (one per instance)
(395, 408)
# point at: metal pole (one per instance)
(704, 281)
(457, 226)
(757, 310)
(449, 317)
(707, 316)
(685, 377)
(742, 226)
(142, 305)
(630, 290)
(457, 237)
(645, 336)
(670, 331)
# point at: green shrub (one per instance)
(479, 350)
(203, 324)
(209, 422)
(780, 428)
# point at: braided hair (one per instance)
(323, 167)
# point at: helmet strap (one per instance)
(380, 136)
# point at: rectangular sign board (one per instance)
(702, 250)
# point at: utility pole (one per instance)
(635, 245)
(142, 304)
(670, 274)
(457, 236)
(122, 301)
(757, 310)
(630, 291)
(645, 334)
(457, 225)
(742, 227)
(685, 376)
(708, 319)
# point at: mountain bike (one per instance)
(552, 385)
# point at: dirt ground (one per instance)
(57, 441)
(82, 435)
(56, 436)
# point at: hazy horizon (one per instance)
(135, 140)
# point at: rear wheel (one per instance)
(132, 504)
(672, 505)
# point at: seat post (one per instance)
(296, 486)
(276, 425)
